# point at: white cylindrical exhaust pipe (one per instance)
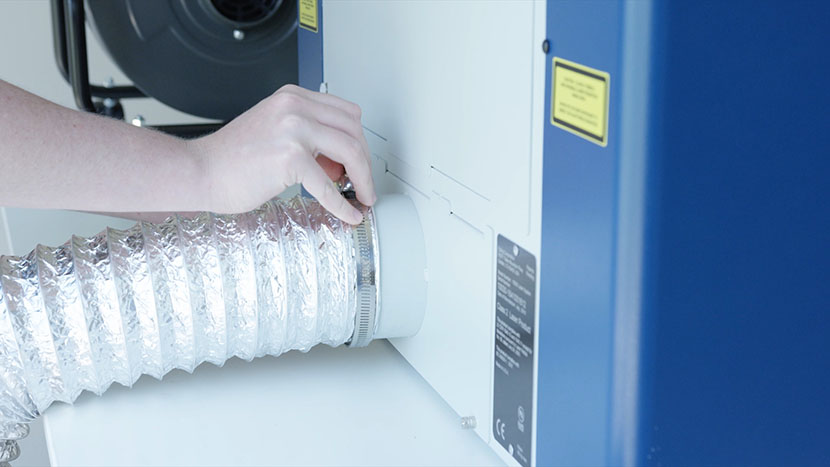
(402, 268)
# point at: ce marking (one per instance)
(500, 426)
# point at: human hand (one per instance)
(293, 136)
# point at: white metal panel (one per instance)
(328, 407)
(447, 84)
(453, 100)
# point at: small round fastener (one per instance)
(469, 422)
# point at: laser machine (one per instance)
(625, 219)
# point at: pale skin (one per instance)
(58, 158)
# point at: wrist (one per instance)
(199, 178)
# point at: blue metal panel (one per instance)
(735, 362)
(737, 276)
(310, 53)
(579, 196)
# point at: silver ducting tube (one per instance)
(155, 297)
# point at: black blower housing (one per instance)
(210, 58)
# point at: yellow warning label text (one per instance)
(308, 15)
(579, 101)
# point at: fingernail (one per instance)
(357, 217)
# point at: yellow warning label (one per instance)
(308, 15)
(579, 101)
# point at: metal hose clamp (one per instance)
(368, 286)
(368, 271)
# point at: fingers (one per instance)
(342, 148)
(328, 128)
(338, 119)
(322, 188)
(333, 170)
(330, 111)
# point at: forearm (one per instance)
(54, 157)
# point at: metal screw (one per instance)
(545, 46)
(109, 102)
(138, 120)
(324, 87)
(110, 83)
(238, 34)
(469, 422)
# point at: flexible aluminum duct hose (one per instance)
(110, 308)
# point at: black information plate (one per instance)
(515, 321)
